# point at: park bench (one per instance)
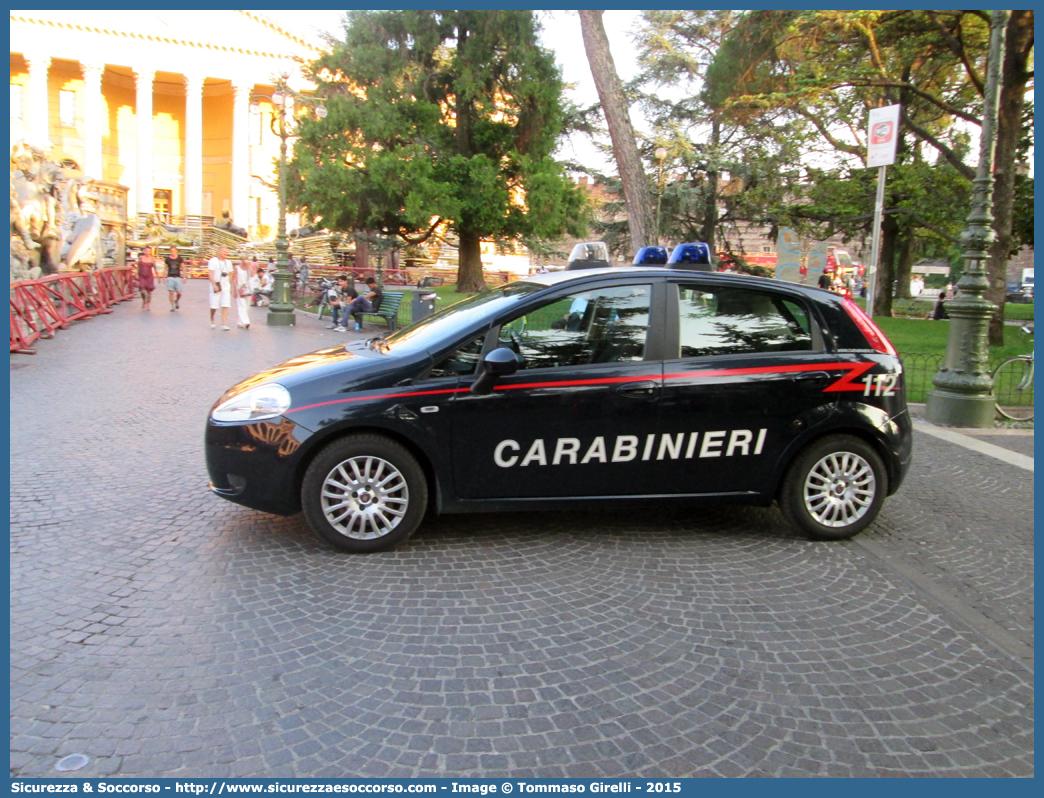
(388, 310)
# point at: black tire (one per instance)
(375, 494)
(834, 488)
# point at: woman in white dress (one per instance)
(243, 291)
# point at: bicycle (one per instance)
(1013, 386)
(327, 291)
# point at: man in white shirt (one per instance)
(220, 268)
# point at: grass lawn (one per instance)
(925, 337)
(1018, 311)
(922, 345)
(448, 295)
(917, 337)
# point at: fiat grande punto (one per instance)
(599, 389)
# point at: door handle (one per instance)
(812, 377)
(638, 389)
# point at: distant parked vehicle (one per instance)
(1019, 294)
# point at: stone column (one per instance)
(143, 77)
(193, 145)
(39, 128)
(93, 121)
(241, 152)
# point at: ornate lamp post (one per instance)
(963, 395)
(284, 125)
(660, 155)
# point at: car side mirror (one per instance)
(501, 362)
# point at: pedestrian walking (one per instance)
(174, 285)
(303, 273)
(220, 270)
(147, 277)
(241, 285)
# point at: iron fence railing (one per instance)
(920, 368)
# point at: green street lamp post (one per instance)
(963, 395)
(284, 125)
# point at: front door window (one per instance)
(604, 325)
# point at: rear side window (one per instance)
(740, 321)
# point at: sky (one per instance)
(561, 35)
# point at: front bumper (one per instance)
(256, 465)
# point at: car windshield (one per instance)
(460, 315)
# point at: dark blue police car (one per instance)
(591, 389)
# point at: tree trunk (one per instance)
(469, 253)
(469, 268)
(903, 265)
(625, 147)
(362, 254)
(462, 119)
(710, 208)
(1018, 40)
(885, 269)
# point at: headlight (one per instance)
(264, 401)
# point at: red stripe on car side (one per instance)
(843, 384)
(571, 383)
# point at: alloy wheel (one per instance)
(839, 489)
(364, 497)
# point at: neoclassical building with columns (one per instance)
(158, 101)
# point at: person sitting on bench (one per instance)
(367, 302)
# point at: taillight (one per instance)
(877, 339)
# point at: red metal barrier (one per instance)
(115, 284)
(39, 307)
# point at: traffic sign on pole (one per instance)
(881, 139)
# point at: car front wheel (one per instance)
(834, 488)
(364, 493)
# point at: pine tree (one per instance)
(438, 116)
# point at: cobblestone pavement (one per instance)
(165, 632)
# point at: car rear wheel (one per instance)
(364, 493)
(834, 488)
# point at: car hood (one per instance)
(338, 369)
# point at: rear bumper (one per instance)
(899, 435)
